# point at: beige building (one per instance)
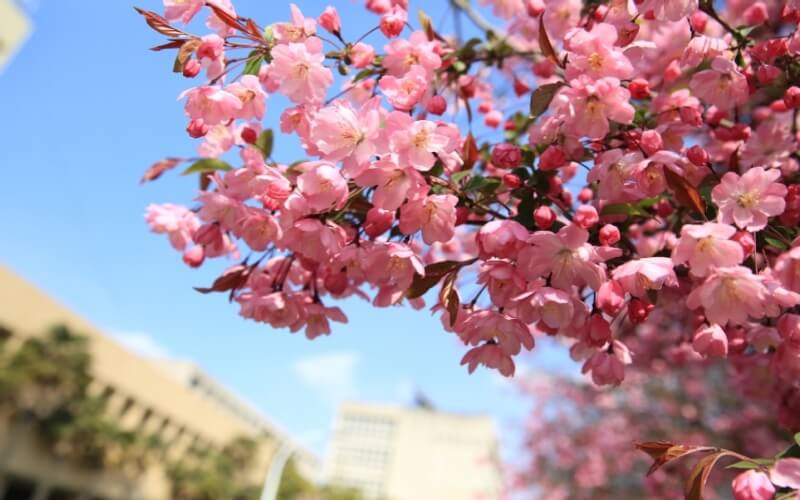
(393, 453)
(14, 29)
(182, 405)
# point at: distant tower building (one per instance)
(14, 29)
(393, 453)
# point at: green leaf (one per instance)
(797, 438)
(480, 183)
(206, 165)
(541, 98)
(253, 65)
(264, 142)
(629, 209)
(776, 243)
(458, 176)
(364, 73)
(751, 464)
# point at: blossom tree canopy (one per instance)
(568, 173)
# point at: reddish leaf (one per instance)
(205, 180)
(174, 44)
(158, 168)
(186, 51)
(433, 273)
(699, 475)
(232, 279)
(471, 152)
(686, 194)
(544, 43)
(160, 24)
(225, 17)
(541, 98)
(253, 29)
(664, 452)
(448, 297)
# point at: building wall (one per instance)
(414, 454)
(140, 394)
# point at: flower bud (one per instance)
(639, 310)
(534, 7)
(393, 22)
(698, 20)
(752, 485)
(792, 97)
(626, 34)
(746, 241)
(361, 55)
(609, 235)
(697, 155)
(639, 88)
(512, 181)
(194, 257)
(586, 216)
(651, 142)
(544, 217)
(249, 135)
(756, 14)
(711, 342)
(506, 155)
(552, 158)
(378, 221)
(197, 128)
(437, 105)
(585, 195)
(192, 68)
(329, 20)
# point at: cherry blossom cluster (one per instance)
(565, 174)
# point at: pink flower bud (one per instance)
(651, 142)
(484, 107)
(639, 310)
(462, 215)
(673, 71)
(698, 21)
(599, 331)
(752, 485)
(192, 68)
(552, 158)
(555, 186)
(194, 257)
(197, 128)
(585, 195)
(792, 97)
(610, 297)
(534, 7)
(506, 155)
(493, 118)
(437, 105)
(520, 87)
(467, 85)
(711, 342)
(697, 155)
(664, 208)
(378, 221)
(767, 73)
(379, 6)
(393, 22)
(361, 55)
(544, 68)
(778, 106)
(336, 283)
(329, 20)
(639, 88)
(609, 235)
(544, 217)
(512, 181)
(249, 135)
(586, 216)
(746, 241)
(756, 14)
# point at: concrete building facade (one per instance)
(141, 394)
(394, 453)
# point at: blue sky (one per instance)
(86, 108)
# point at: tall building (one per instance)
(180, 404)
(14, 29)
(393, 453)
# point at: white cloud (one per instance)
(330, 375)
(142, 344)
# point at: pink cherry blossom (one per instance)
(299, 72)
(750, 199)
(593, 53)
(435, 215)
(392, 183)
(752, 485)
(491, 356)
(501, 238)
(322, 186)
(342, 132)
(555, 308)
(587, 105)
(416, 142)
(670, 10)
(177, 222)
(707, 246)
(183, 10)
(722, 85)
(711, 341)
(249, 91)
(407, 91)
(318, 319)
(566, 257)
(211, 104)
(638, 276)
(298, 30)
(488, 326)
(607, 365)
(730, 294)
(403, 54)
